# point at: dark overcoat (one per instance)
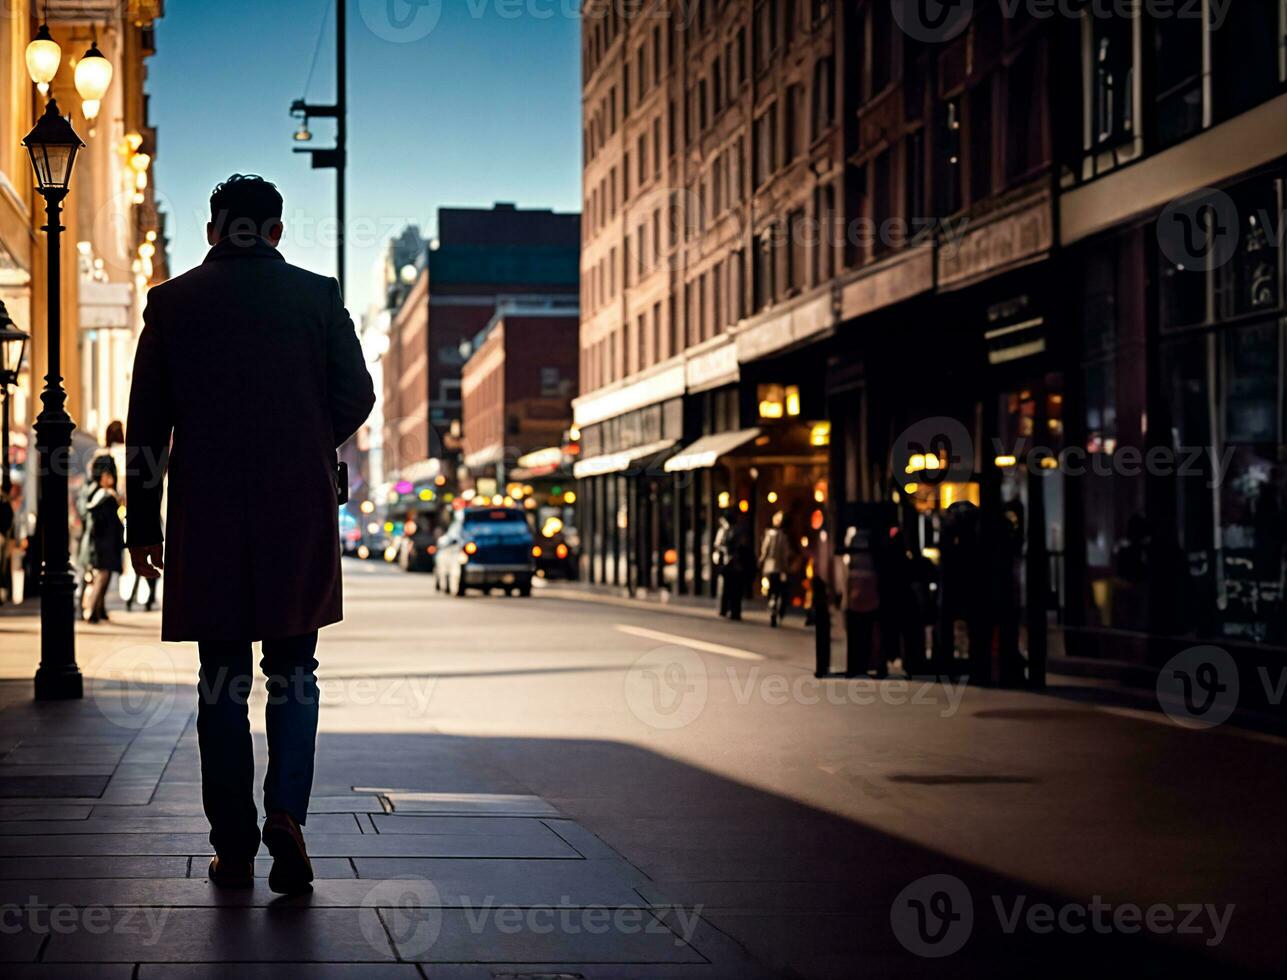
(249, 373)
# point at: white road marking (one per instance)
(685, 641)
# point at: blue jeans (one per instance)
(227, 751)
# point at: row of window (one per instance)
(778, 143)
(787, 257)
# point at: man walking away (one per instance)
(246, 355)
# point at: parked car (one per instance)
(485, 548)
(418, 543)
(556, 545)
(350, 534)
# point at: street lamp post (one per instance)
(337, 158)
(13, 348)
(53, 146)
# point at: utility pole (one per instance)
(332, 159)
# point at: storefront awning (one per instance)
(706, 450)
(616, 462)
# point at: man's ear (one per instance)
(212, 237)
(275, 233)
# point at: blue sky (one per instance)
(483, 107)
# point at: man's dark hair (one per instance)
(245, 204)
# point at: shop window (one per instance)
(1250, 282)
(1251, 412)
(1245, 52)
(1099, 307)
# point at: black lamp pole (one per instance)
(53, 145)
(333, 159)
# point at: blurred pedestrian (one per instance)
(108, 458)
(864, 652)
(774, 556)
(106, 534)
(741, 562)
(247, 351)
(720, 556)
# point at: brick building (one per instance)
(480, 260)
(517, 388)
(812, 237)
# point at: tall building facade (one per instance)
(114, 243)
(988, 286)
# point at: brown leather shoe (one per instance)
(292, 872)
(231, 874)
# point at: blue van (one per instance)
(486, 548)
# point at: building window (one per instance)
(882, 200)
(766, 138)
(980, 140)
(1177, 79)
(914, 176)
(948, 168)
(1025, 119)
(824, 97)
(763, 286)
(795, 261)
(1245, 53)
(551, 383)
(766, 34)
(1114, 74)
(882, 47)
(794, 110)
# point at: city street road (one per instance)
(798, 814)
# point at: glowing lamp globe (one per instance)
(93, 76)
(43, 57)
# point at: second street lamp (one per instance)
(53, 146)
(13, 348)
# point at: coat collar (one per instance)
(252, 247)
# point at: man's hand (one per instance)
(147, 561)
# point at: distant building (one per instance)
(517, 387)
(481, 259)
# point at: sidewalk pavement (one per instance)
(429, 862)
